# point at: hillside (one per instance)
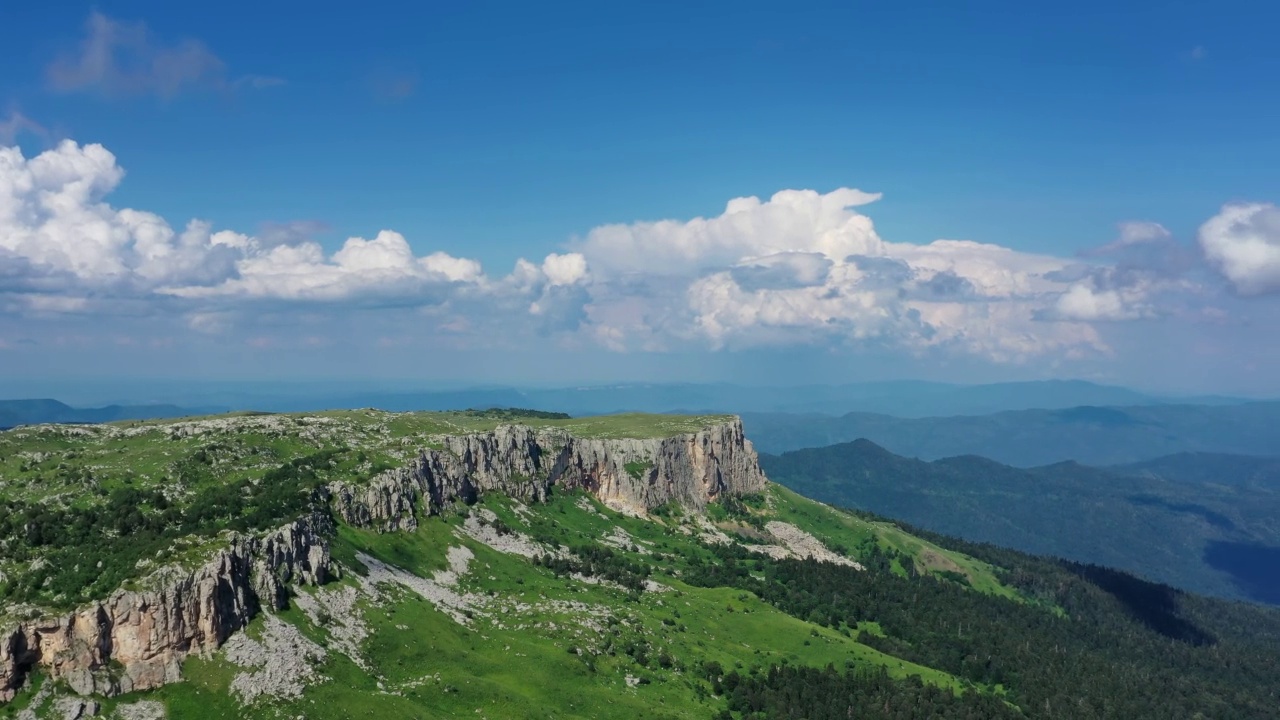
(502, 564)
(1087, 434)
(1206, 523)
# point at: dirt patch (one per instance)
(933, 560)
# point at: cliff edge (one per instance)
(628, 474)
(137, 639)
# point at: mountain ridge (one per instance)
(47, 410)
(1029, 438)
(904, 398)
(1167, 519)
(524, 578)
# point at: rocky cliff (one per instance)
(137, 640)
(628, 474)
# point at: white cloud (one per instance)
(1243, 242)
(50, 212)
(1086, 304)
(805, 267)
(57, 234)
(782, 270)
(790, 221)
(564, 269)
(123, 58)
(384, 266)
(800, 268)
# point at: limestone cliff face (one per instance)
(137, 639)
(629, 474)
(146, 634)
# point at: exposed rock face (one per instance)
(146, 634)
(136, 640)
(628, 474)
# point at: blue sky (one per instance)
(482, 133)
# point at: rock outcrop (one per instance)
(628, 474)
(136, 640)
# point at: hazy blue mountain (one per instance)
(30, 412)
(901, 398)
(1210, 469)
(1212, 525)
(1091, 435)
(906, 398)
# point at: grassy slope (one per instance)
(841, 528)
(438, 668)
(423, 663)
(530, 672)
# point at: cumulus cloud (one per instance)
(64, 248)
(384, 266)
(564, 269)
(806, 267)
(1243, 243)
(790, 221)
(781, 271)
(1087, 304)
(798, 268)
(123, 58)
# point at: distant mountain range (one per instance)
(1090, 435)
(31, 412)
(1025, 423)
(1204, 522)
(908, 398)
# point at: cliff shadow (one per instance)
(1254, 568)
(1152, 604)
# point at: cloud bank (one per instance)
(800, 268)
(1243, 242)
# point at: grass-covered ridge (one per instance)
(85, 508)
(568, 608)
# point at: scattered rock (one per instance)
(800, 544)
(438, 590)
(282, 663)
(141, 710)
(73, 708)
(622, 540)
(480, 527)
(338, 610)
